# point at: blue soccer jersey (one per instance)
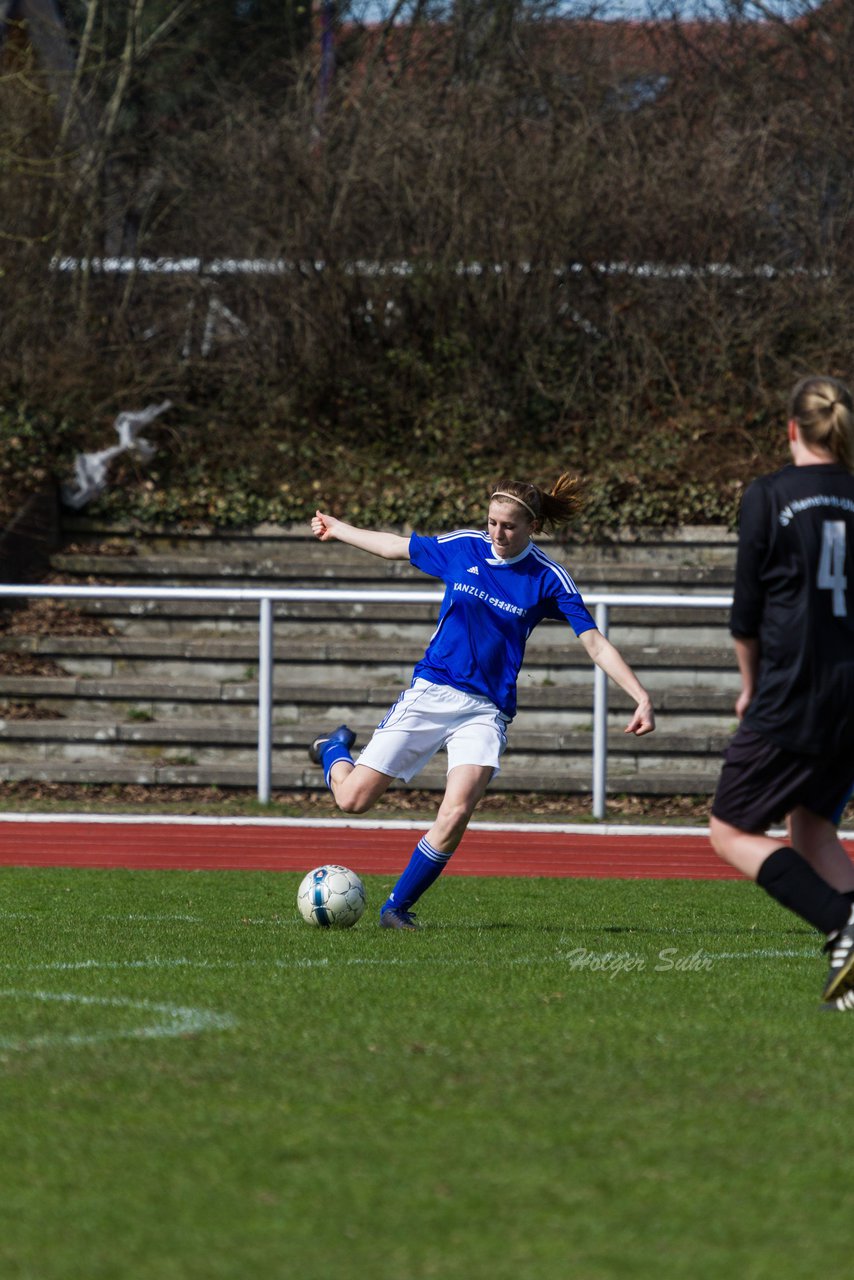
(490, 608)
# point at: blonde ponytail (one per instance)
(824, 412)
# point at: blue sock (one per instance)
(334, 751)
(425, 866)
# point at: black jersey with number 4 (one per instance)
(794, 590)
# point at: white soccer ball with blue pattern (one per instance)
(331, 897)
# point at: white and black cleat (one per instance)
(840, 1004)
(841, 951)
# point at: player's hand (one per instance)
(643, 721)
(323, 526)
(742, 702)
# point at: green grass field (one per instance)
(554, 1079)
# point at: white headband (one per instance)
(499, 493)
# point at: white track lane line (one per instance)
(364, 824)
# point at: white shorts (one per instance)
(427, 717)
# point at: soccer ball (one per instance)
(332, 897)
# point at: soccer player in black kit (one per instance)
(792, 623)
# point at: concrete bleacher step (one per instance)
(359, 620)
(315, 659)
(167, 692)
(590, 575)
(432, 779)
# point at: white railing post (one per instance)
(600, 723)
(265, 699)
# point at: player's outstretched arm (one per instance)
(390, 546)
(611, 661)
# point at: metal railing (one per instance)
(265, 598)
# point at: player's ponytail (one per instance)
(824, 412)
(558, 506)
(564, 502)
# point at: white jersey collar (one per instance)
(497, 560)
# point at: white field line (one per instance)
(169, 1020)
(362, 824)
(129, 918)
(568, 959)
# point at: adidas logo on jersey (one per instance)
(473, 569)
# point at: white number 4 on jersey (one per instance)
(831, 568)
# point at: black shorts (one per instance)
(761, 783)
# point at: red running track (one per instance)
(371, 851)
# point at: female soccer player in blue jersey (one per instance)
(792, 623)
(498, 585)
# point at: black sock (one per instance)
(790, 879)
